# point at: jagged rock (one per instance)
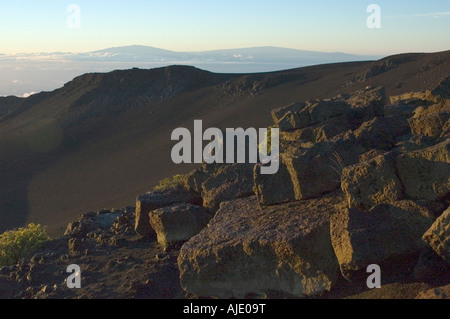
(247, 249)
(326, 130)
(371, 183)
(178, 222)
(430, 266)
(372, 135)
(195, 179)
(316, 170)
(312, 174)
(326, 118)
(425, 173)
(90, 222)
(228, 182)
(80, 229)
(148, 202)
(294, 121)
(380, 133)
(326, 109)
(435, 293)
(430, 121)
(367, 104)
(425, 98)
(274, 189)
(438, 236)
(124, 224)
(331, 128)
(370, 97)
(293, 108)
(333, 116)
(386, 235)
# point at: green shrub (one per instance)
(21, 243)
(174, 182)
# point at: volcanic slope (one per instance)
(103, 138)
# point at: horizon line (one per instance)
(202, 51)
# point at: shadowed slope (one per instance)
(103, 138)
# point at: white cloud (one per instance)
(435, 15)
(28, 94)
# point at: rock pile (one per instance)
(362, 180)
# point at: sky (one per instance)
(28, 26)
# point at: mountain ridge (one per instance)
(362, 180)
(76, 149)
(27, 73)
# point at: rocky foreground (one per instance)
(364, 179)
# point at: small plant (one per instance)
(338, 164)
(174, 182)
(21, 243)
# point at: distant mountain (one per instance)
(256, 55)
(102, 138)
(25, 74)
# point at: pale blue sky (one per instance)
(195, 25)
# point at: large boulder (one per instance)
(293, 108)
(368, 103)
(430, 121)
(90, 222)
(387, 235)
(274, 189)
(312, 173)
(294, 121)
(151, 201)
(438, 236)
(228, 182)
(380, 133)
(425, 173)
(326, 109)
(315, 133)
(247, 249)
(178, 222)
(352, 110)
(372, 182)
(326, 130)
(316, 170)
(195, 179)
(425, 98)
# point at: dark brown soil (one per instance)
(129, 267)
